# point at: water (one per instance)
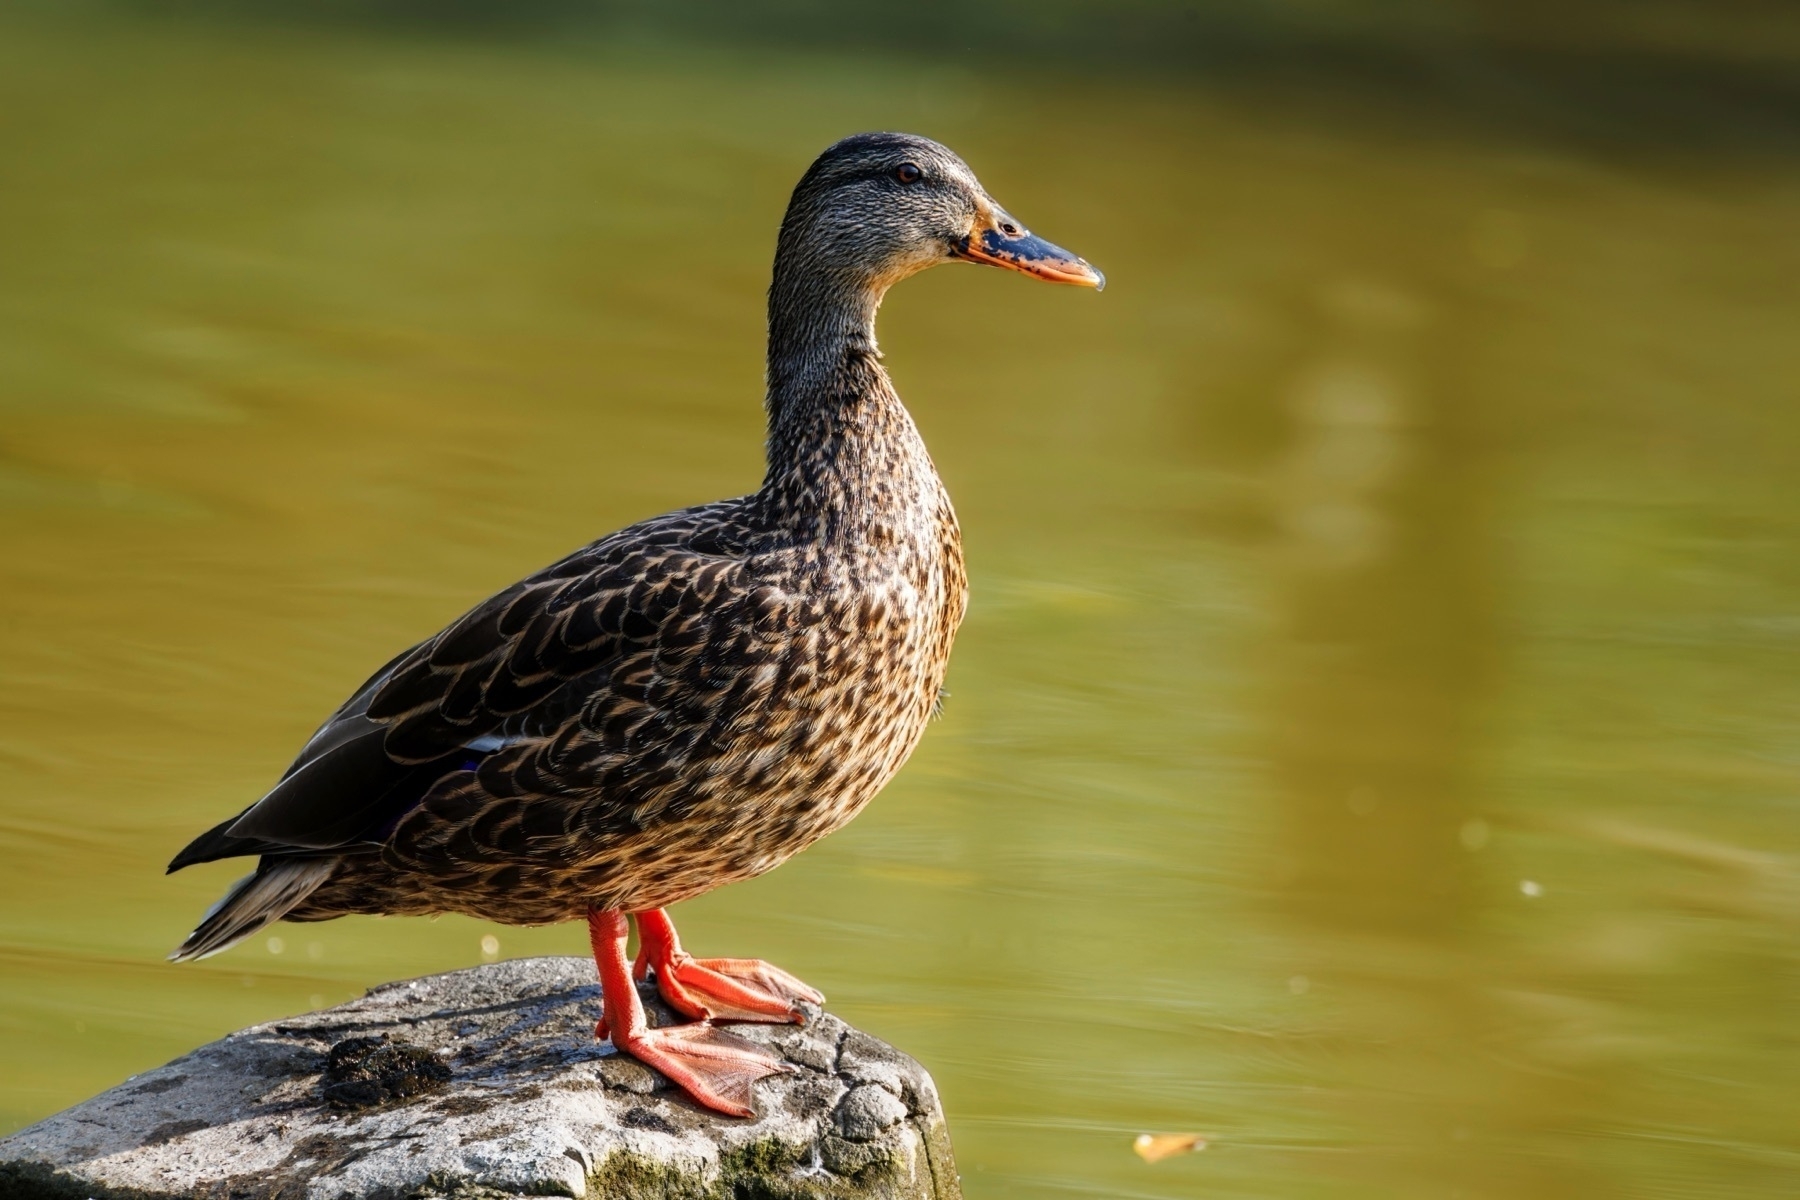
(1372, 741)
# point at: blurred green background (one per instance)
(1373, 741)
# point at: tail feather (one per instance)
(259, 899)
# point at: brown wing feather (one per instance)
(514, 668)
(517, 650)
(682, 656)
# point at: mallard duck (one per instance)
(687, 702)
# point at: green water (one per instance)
(1373, 741)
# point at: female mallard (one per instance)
(687, 702)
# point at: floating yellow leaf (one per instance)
(1154, 1147)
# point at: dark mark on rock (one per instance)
(643, 1118)
(363, 1072)
(462, 1106)
(490, 1134)
(156, 1087)
(168, 1131)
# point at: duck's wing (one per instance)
(343, 758)
(694, 648)
(505, 672)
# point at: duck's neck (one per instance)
(844, 457)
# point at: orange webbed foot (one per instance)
(717, 1069)
(731, 989)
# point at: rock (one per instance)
(867, 1111)
(487, 1084)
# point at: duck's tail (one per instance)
(258, 899)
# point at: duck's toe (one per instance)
(717, 1069)
(744, 989)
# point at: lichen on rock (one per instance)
(486, 1084)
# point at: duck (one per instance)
(685, 703)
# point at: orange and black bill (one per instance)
(1031, 254)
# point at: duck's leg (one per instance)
(732, 989)
(710, 1065)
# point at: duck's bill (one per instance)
(1031, 255)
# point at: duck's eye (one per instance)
(908, 173)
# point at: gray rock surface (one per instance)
(355, 1102)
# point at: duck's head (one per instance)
(877, 207)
